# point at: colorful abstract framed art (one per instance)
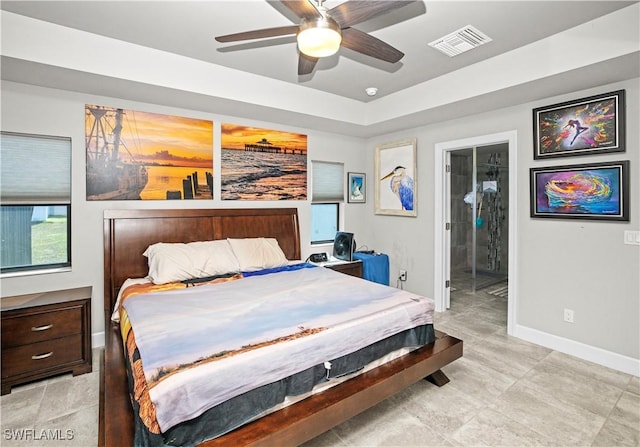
(598, 191)
(592, 125)
(357, 187)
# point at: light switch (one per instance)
(631, 237)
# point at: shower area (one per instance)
(479, 218)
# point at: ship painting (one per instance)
(137, 155)
(109, 177)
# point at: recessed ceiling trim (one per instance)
(460, 41)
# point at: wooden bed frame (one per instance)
(127, 233)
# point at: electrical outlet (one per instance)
(568, 315)
(403, 275)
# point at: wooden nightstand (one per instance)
(353, 268)
(44, 334)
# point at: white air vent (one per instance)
(458, 42)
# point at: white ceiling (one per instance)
(188, 28)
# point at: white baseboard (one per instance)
(593, 354)
(97, 340)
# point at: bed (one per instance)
(128, 233)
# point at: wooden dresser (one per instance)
(44, 334)
(353, 268)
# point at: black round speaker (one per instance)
(343, 246)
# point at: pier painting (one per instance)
(134, 155)
(262, 164)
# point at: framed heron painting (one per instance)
(598, 191)
(395, 179)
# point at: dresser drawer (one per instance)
(40, 356)
(41, 326)
(44, 334)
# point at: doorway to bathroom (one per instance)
(479, 225)
(475, 215)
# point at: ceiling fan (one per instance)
(321, 32)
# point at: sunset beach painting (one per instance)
(262, 164)
(134, 155)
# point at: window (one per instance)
(35, 190)
(324, 222)
(327, 193)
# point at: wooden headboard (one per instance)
(128, 233)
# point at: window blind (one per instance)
(327, 181)
(35, 169)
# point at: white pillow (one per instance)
(258, 253)
(178, 262)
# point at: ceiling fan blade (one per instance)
(356, 11)
(306, 64)
(371, 46)
(259, 34)
(302, 8)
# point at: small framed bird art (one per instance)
(395, 178)
(357, 187)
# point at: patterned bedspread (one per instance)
(199, 346)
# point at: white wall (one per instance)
(577, 264)
(38, 110)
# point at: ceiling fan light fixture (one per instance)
(320, 37)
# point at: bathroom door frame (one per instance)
(442, 232)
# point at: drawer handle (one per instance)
(41, 328)
(42, 356)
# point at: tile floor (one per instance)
(61, 411)
(503, 392)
